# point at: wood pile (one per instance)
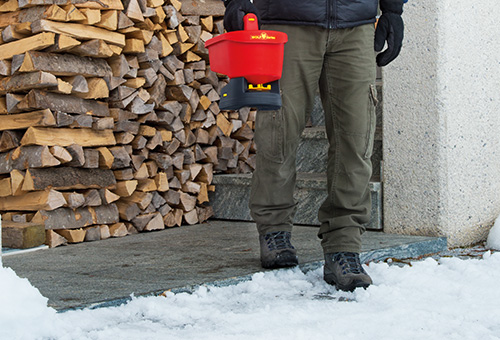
(109, 117)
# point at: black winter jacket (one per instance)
(324, 13)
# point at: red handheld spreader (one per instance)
(253, 59)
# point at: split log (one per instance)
(105, 214)
(27, 157)
(5, 187)
(32, 201)
(127, 210)
(68, 178)
(10, 139)
(64, 218)
(65, 64)
(33, 43)
(118, 230)
(74, 199)
(78, 31)
(25, 120)
(53, 239)
(92, 234)
(73, 236)
(27, 81)
(105, 234)
(67, 137)
(65, 103)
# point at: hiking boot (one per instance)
(276, 251)
(344, 271)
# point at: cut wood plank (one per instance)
(67, 137)
(64, 103)
(65, 64)
(22, 235)
(25, 120)
(68, 178)
(78, 31)
(36, 42)
(33, 201)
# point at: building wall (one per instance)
(442, 122)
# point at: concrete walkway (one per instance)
(107, 272)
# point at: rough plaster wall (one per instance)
(411, 126)
(469, 82)
(441, 122)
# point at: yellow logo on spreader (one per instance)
(263, 36)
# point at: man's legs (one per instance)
(277, 135)
(348, 96)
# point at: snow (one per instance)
(493, 240)
(447, 298)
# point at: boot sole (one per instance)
(280, 264)
(346, 288)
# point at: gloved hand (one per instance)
(235, 11)
(390, 28)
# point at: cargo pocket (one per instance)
(372, 121)
(269, 135)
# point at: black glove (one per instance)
(235, 11)
(390, 28)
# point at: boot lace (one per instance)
(349, 262)
(278, 240)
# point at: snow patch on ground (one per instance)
(449, 298)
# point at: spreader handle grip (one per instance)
(250, 22)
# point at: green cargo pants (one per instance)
(341, 63)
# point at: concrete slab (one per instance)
(107, 272)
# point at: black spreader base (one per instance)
(236, 95)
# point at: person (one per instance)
(331, 47)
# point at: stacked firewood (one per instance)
(109, 116)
